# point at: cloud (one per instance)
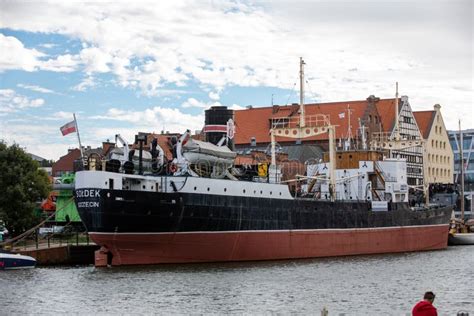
(36, 88)
(10, 101)
(214, 96)
(155, 119)
(62, 63)
(193, 103)
(86, 83)
(16, 56)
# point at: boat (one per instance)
(11, 261)
(184, 213)
(461, 239)
(461, 233)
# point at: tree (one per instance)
(22, 185)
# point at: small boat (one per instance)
(9, 261)
(458, 239)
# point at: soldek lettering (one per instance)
(88, 193)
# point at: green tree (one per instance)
(22, 185)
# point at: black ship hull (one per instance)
(136, 227)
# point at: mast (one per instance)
(302, 114)
(79, 139)
(397, 134)
(348, 142)
(461, 164)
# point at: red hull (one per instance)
(154, 248)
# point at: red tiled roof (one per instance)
(386, 109)
(255, 122)
(425, 120)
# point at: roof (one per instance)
(425, 120)
(255, 122)
(35, 157)
(386, 110)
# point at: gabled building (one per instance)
(439, 155)
(408, 130)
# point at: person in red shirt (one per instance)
(425, 307)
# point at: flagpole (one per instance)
(78, 138)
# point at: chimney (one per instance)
(372, 99)
(253, 142)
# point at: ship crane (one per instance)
(302, 127)
(126, 149)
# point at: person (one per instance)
(425, 307)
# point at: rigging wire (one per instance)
(292, 91)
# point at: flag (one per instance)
(68, 128)
(342, 115)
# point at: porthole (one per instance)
(208, 189)
(144, 186)
(243, 191)
(270, 192)
(225, 189)
(106, 182)
(280, 193)
(261, 192)
(152, 187)
(195, 188)
(254, 191)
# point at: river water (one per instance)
(359, 285)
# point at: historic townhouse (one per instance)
(408, 129)
(439, 164)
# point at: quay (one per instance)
(62, 254)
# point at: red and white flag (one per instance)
(68, 128)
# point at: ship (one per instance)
(201, 207)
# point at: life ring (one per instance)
(173, 168)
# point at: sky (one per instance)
(125, 67)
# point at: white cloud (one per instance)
(10, 101)
(86, 83)
(214, 96)
(193, 103)
(155, 119)
(95, 60)
(35, 88)
(16, 56)
(62, 63)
